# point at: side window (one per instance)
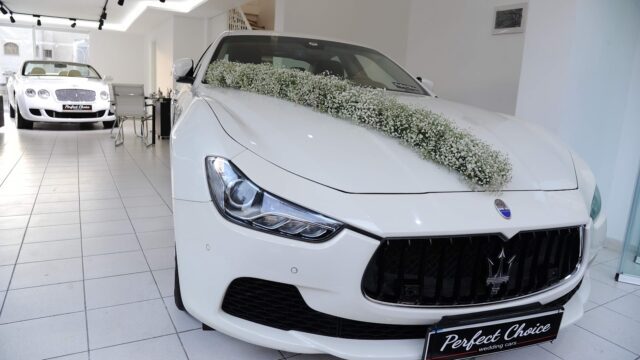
(375, 72)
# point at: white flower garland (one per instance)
(432, 135)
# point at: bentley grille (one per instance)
(471, 270)
(76, 95)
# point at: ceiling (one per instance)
(134, 15)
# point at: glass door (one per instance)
(629, 270)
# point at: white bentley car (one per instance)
(303, 232)
(55, 91)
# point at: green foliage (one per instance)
(432, 135)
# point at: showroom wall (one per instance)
(127, 64)
(380, 24)
(580, 80)
(450, 42)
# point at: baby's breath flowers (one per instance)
(432, 135)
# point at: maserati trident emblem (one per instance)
(501, 275)
(502, 208)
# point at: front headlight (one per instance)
(243, 202)
(104, 95)
(43, 93)
(30, 92)
(596, 204)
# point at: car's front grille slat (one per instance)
(469, 270)
(76, 95)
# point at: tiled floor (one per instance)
(86, 262)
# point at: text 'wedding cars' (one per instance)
(325, 201)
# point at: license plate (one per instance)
(457, 342)
(76, 107)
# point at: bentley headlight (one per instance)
(596, 204)
(104, 95)
(240, 200)
(30, 92)
(43, 93)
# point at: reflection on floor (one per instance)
(86, 261)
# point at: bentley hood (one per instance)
(62, 82)
(351, 158)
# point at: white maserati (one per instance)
(55, 91)
(309, 233)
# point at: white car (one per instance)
(56, 91)
(393, 256)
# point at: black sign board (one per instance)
(491, 336)
(76, 107)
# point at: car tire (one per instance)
(108, 124)
(12, 112)
(177, 294)
(22, 123)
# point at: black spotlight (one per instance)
(103, 16)
(39, 23)
(120, 2)
(4, 11)
(74, 23)
(162, 1)
(12, 19)
(100, 24)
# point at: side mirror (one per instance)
(108, 78)
(426, 83)
(183, 70)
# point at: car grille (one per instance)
(281, 306)
(75, 115)
(471, 270)
(76, 95)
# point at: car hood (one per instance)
(352, 158)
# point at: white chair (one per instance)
(130, 105)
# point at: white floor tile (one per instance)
(153, 224)
(602, 293)
(51, 250)
(628, 306)
(52, 233)
(161, 258)
(140, 201)
(11, 236)
(56, 207)
(99, 195)
(165, 280)
(100, 204)
(42, 301)
(575, 343)
(200, 345)
(43, 338)
(181, 319)
(161, 348)
(614, 327)
(114, 264)
(126, 323)
(47, 272)
(65, 218)
(119, 290)
(79, 356)
(13, 210)
(148, 212)
(58, 189)
(110, 244)
(8, 254)
(102, 215)
(107, 228)
(156, 239)
(606, 274)
(13, 222)
(5, 276)
(49, 198)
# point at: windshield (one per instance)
(362, 66)
(49, 68)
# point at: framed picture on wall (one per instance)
(509, 19)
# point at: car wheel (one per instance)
(12, 112)
(21, 122)
(108, 124)
(177, 295)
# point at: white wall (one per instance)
(162, 36)
(580, 80)
(380, 24)
(216, 26)
(120, 55)
(189, 37)
(450, 43)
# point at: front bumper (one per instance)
(212, 252)
(50, 110)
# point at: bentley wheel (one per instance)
(21, 122)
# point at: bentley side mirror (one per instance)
(426, 83)
(183, 70)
